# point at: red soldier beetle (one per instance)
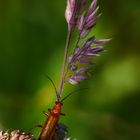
(49, 127)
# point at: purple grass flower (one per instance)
(85, 52)
(73, 67)
(73, 9)
(81, 59)
(76, 79)
(88, 19)
(101, 41)
(86, 62)
(92, 6)
(83, 55)
(70, 13)
(82, 70)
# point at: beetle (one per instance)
(51, 124)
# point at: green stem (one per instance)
(77, 42)
(62, 78)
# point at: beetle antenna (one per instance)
(57, 97)
(78, 90)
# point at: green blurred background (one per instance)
(32, 40)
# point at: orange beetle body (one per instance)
(49, 127)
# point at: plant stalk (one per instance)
(77, 42)
(61, 83)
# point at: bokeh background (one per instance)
(32, 40)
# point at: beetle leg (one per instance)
(63, 114)
(45, 113)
